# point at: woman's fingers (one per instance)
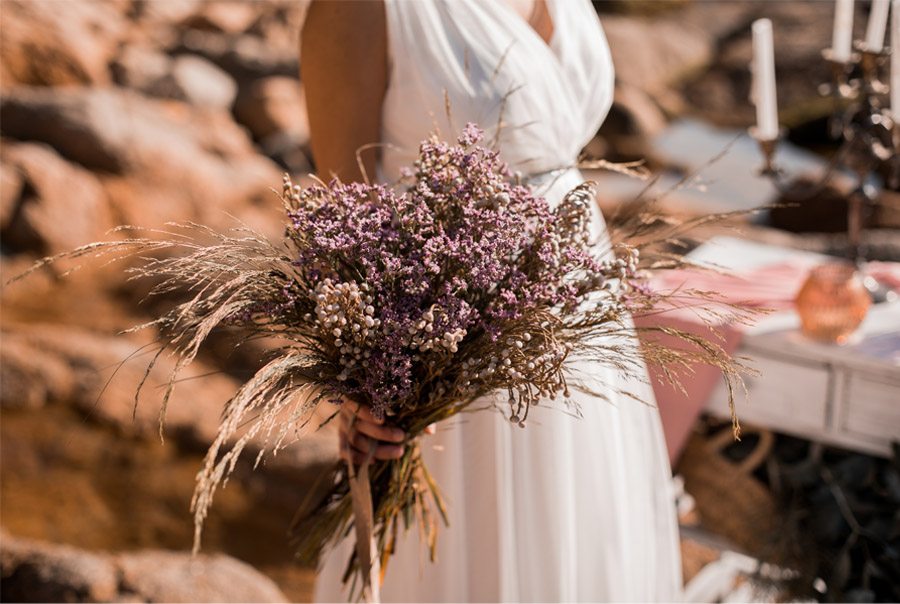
(382, 452)
(359, 418)
(385, 433)
(356, 446)
(362, 444)
(359, 429)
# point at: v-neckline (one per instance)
(547, 44)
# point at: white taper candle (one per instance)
(764, 80)
(842, 40)
(895, 62)
(877, 24)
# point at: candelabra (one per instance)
(869, 138)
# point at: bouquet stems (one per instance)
(364, 525)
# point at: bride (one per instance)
(567, 509)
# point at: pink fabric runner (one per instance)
(772, 286)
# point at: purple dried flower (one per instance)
(462, 252)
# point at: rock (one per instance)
(225, 17)
(633, 120)
(27, 385)
(205, 195)
(62, 205)
(273, 105)
(11, 182)
(145, 69)
(111, 130)
(245, 57)
(320, 449)
(99, 375)
(187, 78)
(161, 576)
(217, 133)
(279, 24)
(597, 148)
(274, 111)
(290, 151)
(651, 55)
(33, 571)
(199, 82)
(50, 43)
(641, 116)
(100, 129)
(170, 12)
(159, 160)
(657, 52)
(89, 297)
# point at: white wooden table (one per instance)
(846, 395)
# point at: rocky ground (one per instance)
(60, 573)
(136, 113)
(142, 112)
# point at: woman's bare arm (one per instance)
(343, 63)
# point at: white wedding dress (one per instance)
(566, 509)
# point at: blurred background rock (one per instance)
(136, 113)
(143, 112)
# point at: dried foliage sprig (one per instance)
(416, 302)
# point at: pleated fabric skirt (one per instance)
(566, 509)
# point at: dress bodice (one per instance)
(458, 61)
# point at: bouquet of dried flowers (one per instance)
(416, 302)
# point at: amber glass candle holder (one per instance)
(832, 302)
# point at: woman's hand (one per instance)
(358, 430)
